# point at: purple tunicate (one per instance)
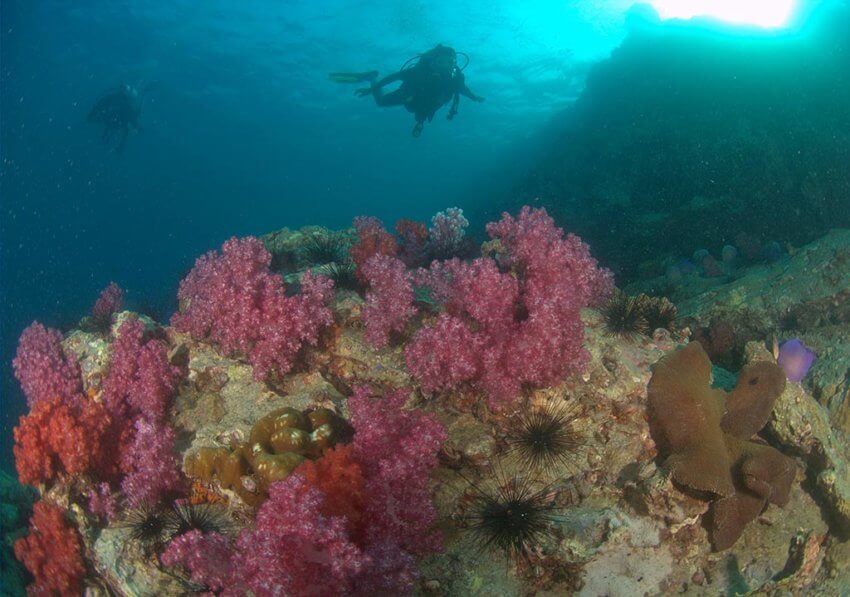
(796, 359)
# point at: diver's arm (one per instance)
(465, 91)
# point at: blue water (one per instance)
(243, 133)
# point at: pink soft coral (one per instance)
(503, 329)
(150, 464)
(236, 302)
(373, 240)
(349, 523)
(140, 381)
(389, 301)
(42, 368)
(108, 304)
(397, 450)
(205, 555)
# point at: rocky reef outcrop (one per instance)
(616, 517)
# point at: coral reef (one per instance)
(42, 368)
(15, 508)
(52, 552)
(109, 303)
(57, 437)
(277, 444)
(369, 455)
(705, 435)
(528, 329)
(373, 240)
(389, 300)
(234, 300)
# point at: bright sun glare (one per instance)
(762, 13)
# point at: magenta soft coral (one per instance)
(150, 464)
(299, 546)
(397, 450)
(514, 327)
(138, 391)
(389, 300)
(236, 302)
(109, 302)
(291, 549)
(42, 368)
(141, 381)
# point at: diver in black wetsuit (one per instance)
(433, 81)
(117, 111)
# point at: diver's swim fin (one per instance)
(353, 77)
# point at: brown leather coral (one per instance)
(706, 435)
(277, 444)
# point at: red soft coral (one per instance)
(42, 368)
(51, 552)
(373, 240)
(57, 437)
(236, 302)
(340, 478)
(389, 300)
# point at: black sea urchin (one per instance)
(624, 315)
(342, 273)
(319, 249)
(545, 437)
(511, 517)
(206, 518)
(659, 313)
(146, 524)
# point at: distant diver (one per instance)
(428, 82)
(117, 111)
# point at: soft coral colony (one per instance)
(348, 516)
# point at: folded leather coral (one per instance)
(708, 438)
(277, 444)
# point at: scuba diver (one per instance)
(117, 111)
(428, 82)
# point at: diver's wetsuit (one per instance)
(117, 112)
(423, 91)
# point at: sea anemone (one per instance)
(545, 437)
(512, 517)
(624, 315)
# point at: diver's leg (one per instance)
(122, 139)
(417, 129)
(394, 98)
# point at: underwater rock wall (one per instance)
(684, 140)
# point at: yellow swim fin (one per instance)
(353, 77)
